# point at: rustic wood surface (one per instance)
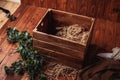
(11, 6)
(106, 35)
(25, 21)
(107, 9)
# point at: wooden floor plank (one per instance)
(34, 20)
(11, 58)
(4, 43)
(25, 18)
(18, 14)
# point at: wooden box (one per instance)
(57, 48)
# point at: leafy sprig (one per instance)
(13, 35)
(32, 62)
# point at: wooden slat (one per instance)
(98, 32)
(100, 8)
(91, 8)
(112, 5)
(117, 35)
(104, 34)
(82, 7)
(51, 4)
(118, 19)
(57, 41)
(109, 36)
(73, 7)
(42, 3)
(62, 57)
(63, 6)
(62, 49)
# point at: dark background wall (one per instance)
(107, 9)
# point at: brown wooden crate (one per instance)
(44, 36)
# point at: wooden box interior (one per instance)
(56, 18)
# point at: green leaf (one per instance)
(43, 76)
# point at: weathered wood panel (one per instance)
(117, 37)
(63, 6)
(106, 34)
(94, 8)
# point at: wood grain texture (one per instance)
(104, 31)
(59, 42)
(71, 6)
(100, 5)
(117, 37)
(109, 36)
(104, 34)
(91, 8)
(63, 6)
(56, 48)
(51, 4)
(82, 7)
(7, 48)
(94, 8)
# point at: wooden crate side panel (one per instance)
(58, 55)
(62, 49)
(57, 41)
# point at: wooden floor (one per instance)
(12, 6)
(106, 35)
